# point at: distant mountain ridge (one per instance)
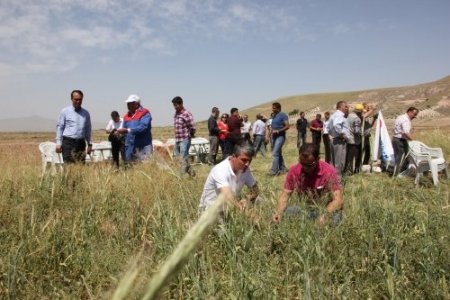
(432, 99)
(33, 124)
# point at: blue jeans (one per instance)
(277, 155)
(258, 144)
(312, 213)
(182, 151)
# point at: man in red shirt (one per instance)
(316, 180)
(234, 137)
(316, 127)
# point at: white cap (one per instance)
(133, 98)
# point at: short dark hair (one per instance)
(114, 114)
(308, 149)
(214, 109)
(338, 105)
(412, 108)
(277, 105)
(233, 110)
(177, 100)
(78, 92)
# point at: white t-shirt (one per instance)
(114, 125)
(246, 127)
(223, 176)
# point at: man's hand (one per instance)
(89, 149)
(122, 130)
(58, 149)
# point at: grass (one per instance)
(81, 234)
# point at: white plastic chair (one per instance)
(100, 152)
(199, 149)
(49, 156)
(425, 159)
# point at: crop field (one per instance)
(79, 234)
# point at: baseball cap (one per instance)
(133, 98)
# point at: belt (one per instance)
(401, 139)
(72, 139)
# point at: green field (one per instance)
(76, 235)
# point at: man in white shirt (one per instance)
(259, 134)
(117, 140)
(229, 177)
(246, 128)
(339, 131)
(402, 134)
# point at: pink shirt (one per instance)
(324, 180)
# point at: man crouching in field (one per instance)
(229, 177)
(315, 180)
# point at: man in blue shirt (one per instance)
(137, 125)
(280, 123)
(73, 131)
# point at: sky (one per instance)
(211, 52)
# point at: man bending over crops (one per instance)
(229, 177)
(315, 181)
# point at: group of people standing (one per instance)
(233, 128)
(130, 136)
(345, 135)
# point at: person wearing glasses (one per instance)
(318, 183)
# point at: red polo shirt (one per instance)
(324, 180)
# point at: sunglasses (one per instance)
(310, 165)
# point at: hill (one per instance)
(432, 99)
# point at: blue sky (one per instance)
(211, 53)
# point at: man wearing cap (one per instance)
(340, 133)
(73, 131)
(214, 131)
(184, 130)
(353, 161)
(315, 181)
(137, 125)
(402, 134)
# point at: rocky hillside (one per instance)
(432, 99)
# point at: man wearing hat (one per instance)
(137, 125)
(353, 161)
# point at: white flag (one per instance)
(382, 142)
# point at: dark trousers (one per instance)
(326, 144)
(400, 151)
(117, 146)
(353, 160)
(73, 150)
(230, 142)
(366, 150)
(316, 137)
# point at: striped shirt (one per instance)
(184, 125)
(402, 125)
